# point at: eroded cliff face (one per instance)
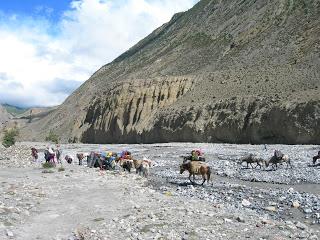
(130, 108)
(236, 120)
(241, 120)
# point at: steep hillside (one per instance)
(35, 113)
(4, 115)
(224, 71)
(13, 110)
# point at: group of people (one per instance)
(98, 159)
(101, 159)
(51, 154)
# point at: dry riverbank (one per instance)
(83, 203)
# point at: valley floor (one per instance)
(85, 203)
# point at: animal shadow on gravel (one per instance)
(270, 170)
(185, 184)
(314, 165)
(254, 169)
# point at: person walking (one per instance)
(34, 154)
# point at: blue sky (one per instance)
(52, 9)
(50, 47)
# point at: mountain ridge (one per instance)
(215, 73)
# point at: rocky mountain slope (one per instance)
(225, 71)
(35, 113)
(14, 110)
(4, 115)
(12, 116)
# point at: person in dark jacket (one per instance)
(34, 154)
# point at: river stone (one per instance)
(266, 221)
(271, 208)
(303, 235)
(313, 237)
(290, 190)
(308, 210)
(301, 226)
(245, 203)
(273, 204)
(9, 233)
(282, 198)
(240, 219)
(295, 204)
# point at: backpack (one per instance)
(46, 155)
(278, 154)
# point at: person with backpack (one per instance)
(69, 159)
(278, 154)
(58, 153)
(194, 155)
(47, 155)
(94, 160)
(51, 155)
(34, 154)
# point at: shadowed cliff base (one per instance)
(230, 121)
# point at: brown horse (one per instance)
(196, 168)
(138, 164)
(250, 159)
(126, 164)
(274, 161)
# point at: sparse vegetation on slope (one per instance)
(224, 71)
(9, 138)
(52, 137)
(14, 110)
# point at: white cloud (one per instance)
(36, 54)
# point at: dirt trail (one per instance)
(72, 200)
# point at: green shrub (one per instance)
(61, 169)
(52, 137)
(48, 165)
(9, 137)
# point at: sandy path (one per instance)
(71, 201)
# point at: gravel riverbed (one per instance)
(84, 203)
